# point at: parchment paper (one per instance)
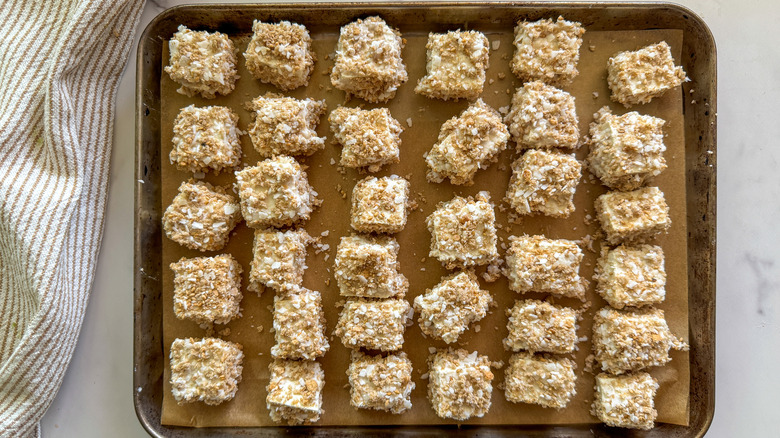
(252, 329)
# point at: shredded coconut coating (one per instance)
(205, 139)
(547, 50)
(202, 62)
(370, 138)
(201, 216)
(275, 193)
(544, 381)
(460, 384)
(286, 126)
(299, 325)
(463, 231)
(632, 340)
(626, 401)
(295, 391)
(543, 116)
(206, 370)
(280, 54)
(544, 182)
(207, 290)
(538, 326)
(633, 217)
(374, 325)
(380, 382)
(368, 266)
(368, 60)
(638, 77)
(456, 66)
(379, 204)
(467, 143)
(447, 310)
(631, 276)
(626, 151)
(539, 264)
(279, 259)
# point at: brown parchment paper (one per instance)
(426, 116)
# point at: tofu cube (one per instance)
(626, 401)
(631, 276)
(370, 138)
(539, 380)
(206, 370)
(383, 383)
(638, 77)
(463, 232)
(542, 116)
(374, 325)
(547, 50)
(447, 310)
(275, 193)
(202, 62)
(205, 139)
(626, 151)
(367, 266)
(379, 204)
(538, 326)
(456, 65)
(279, 259)
(633, 217)
(286, 126)
(539, 264)
(299, 325)
(295, 391)
(467, 143)
(460, 384)
(201, 216)
(207, 290)
(544, 182)
(368, 60)
(280, 54)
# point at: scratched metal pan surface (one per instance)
(698, 59)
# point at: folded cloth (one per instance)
(60, 66)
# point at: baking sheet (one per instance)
(252, 330)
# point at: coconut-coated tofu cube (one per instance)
(205, 139)
(456, 65)
(295, 391)
(626, 401)
(547, 50)
(379, 204)
(383, 383)
(639, 76)
(202, 62)
(631, 276)
(278, 259)
(206, 370)
(374, 325)
(367, 266)
(286, 126)
(299, 325)
(280, 54)
(539, 264)
(542, 116)
(633, 217)
(207, 290)
(540, 380)
(538, 326)
(544, 182)
(370, 139)
(460, 384)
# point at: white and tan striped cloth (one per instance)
(60, 65)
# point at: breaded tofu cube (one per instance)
(633, 217)
(295, 391)
(381, 382)
(631, 276)
(206, 370)
(542, 116)
(538, 326)
(279, 259)
(374, 325)
(299, 325)
(456, 66)
(460, 384)
(280, 54)
(368, 60)
(463, 231)
(286, 126)
(540, 380)
(539, 264)
(627, 150)
(379, 204)
(275, 193)
(207, 290)
(367, 266)
(626, 401)
(638, 77)
(447, 310)
(205, 139)
(632, 340)
(201, 216)
(370, 138)
(467, 143)
(547, 50)
(544, 182)
(202, 62)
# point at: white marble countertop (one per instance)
(95, 398)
